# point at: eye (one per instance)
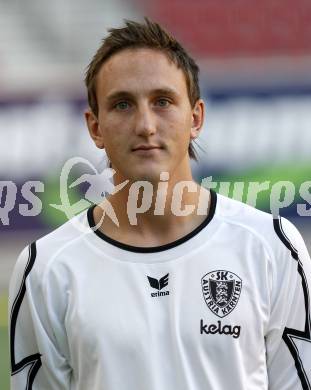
(163, 102)
(122, 106)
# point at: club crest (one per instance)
(221, 291)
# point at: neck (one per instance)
(156, 211)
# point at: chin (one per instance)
(147, 176)
(150, 174)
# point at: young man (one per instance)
(182, 299)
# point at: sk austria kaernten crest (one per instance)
(221, 291)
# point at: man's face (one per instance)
(145, 120)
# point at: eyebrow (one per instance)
(126, 94)
(165, 91)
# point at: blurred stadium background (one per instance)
(255, 60)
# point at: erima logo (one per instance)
(221, 291)
(159, 285)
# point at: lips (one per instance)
(146, 147)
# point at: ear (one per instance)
(198, 114)
(94, 129)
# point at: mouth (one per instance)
(146, 149)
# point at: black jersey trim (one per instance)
(213, 203)
(32, 360)
(289, 334)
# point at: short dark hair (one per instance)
(143, 35)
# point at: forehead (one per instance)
(140, 70)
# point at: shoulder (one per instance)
(277, 234)
(66, 236)
(37, 258)
(238, 215)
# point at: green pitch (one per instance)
(4, 345)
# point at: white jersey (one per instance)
(225, 307)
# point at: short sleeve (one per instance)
(37, 360)
(288, 339)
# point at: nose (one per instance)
(145, 124)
